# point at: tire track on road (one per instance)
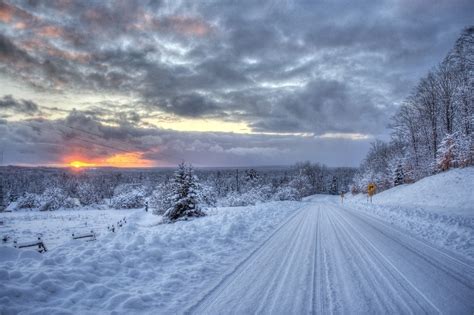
(390, 264)
(224, 281)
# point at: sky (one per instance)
(214, 83)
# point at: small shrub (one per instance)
(28, 201)
(128, 197)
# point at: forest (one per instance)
(432, 130)
(53, 188)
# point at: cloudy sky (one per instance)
(215, 83)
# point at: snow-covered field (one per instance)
(438, 208)
(143, 267)
(57, 227)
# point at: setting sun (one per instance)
(131, 159)
(80, 164)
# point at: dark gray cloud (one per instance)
(41, 141)
(27, 107)
(191, 105)
(279, 66)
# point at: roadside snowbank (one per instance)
(144, 268)
(449, 192)
(439, 208)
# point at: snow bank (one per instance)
(450, 192)
(439, 208)
(143, 268)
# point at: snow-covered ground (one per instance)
(57, 227)
(449, 192)
(314, 256)
(328, 259)
(143, 267)
(439, 208)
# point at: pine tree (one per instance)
(398, 174)
(333, 188)
(185, 195)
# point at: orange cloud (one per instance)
(124, 160)
(20, 25)
(133, 159)
(9, 13)
(6, 13)
(36, 45)
(50, 31)
(190, 26)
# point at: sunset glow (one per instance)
(132, 159)
(80, 164)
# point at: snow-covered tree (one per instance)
(88, 194)
(446, 153)
(464, 149)
(455, 150)
(333, 190)
(55, 198)
(287, 193)
(128, 196)
(161, 198)
(207, 195)
(434, 125)
(28, 201)
(302, 185)
(185, 201)
(398, 174)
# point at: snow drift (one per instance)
(439, 209)
(449, 192)
(142, 268)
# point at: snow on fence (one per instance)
(39, 243)
(88, 236)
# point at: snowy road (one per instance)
(329, 259)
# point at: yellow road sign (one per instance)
(371, 188)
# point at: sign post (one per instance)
(2, 201)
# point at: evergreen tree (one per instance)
(333, 189)
(398, 174)
(185, 195)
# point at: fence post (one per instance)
(2, 201)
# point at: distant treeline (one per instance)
(225, 186)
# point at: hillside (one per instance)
(438, 208)
(449, 192)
